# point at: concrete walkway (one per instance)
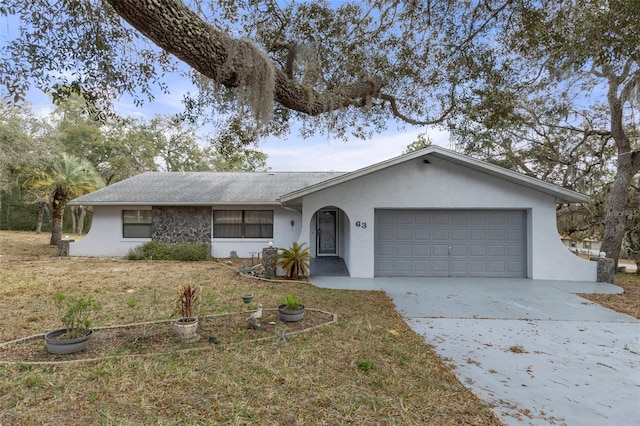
(533, 350)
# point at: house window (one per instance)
(136, 223)
(586, 245)
(243, 223)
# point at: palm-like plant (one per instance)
(63, 178)
(294, 260)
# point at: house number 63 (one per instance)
(361, 224)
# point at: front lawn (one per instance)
(368, 368)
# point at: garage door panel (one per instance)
(386, 234)
(477, 250)
(514, 235)
(477, 218)
(404, 234)
(404, 218)
(459, 218)
(440, 250)
(496, 218)
(478, 234)
(440, 218)
(422, 266)
(421, 234)
(477, 268)
(496, 235)
(422, 218)
(403, 265)
(515, 218)
(459, 250)
(459, 235)
(440, 235)
(450, 243)
(440, 268)
(421, 250)
(385, 249)
(497, 267)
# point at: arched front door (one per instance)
(326, 235)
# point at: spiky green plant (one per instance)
(295, 260)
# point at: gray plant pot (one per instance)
(65, 346)
(186, 329)
(287, 315)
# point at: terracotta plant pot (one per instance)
(57, 344)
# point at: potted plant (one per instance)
(292, 310)
(295, 260)
(77, 331)
(186, 306)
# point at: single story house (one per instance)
(586, 246)
(432, 212)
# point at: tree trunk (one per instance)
(73, 212)
(171, 25)
(81, 217)
(615, 220)
(41, 209)
(60, 200)
(616, 214)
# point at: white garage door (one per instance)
(457, 243)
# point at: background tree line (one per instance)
(47, 160)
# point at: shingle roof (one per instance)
(202, 188)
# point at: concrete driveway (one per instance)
(533, 350)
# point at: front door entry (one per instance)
(327, 244)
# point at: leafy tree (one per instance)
(423, 141)
(175, 145)
(62, 179)
(336, 67)
(561, 106)
(25, 140)
(234, 147)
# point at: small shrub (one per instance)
(295, 260)
(292, 302)
(77, 313)
(156, 250)
(365, 365)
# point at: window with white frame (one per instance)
(136, 223)
(243, 223)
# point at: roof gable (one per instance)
(562, 195)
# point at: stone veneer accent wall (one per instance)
(181, 225)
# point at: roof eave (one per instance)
(172, 204)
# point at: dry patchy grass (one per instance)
(627, 302)
(310, 378)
